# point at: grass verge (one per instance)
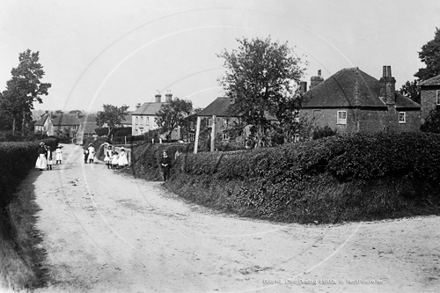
(21, 253)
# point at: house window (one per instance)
(137, 120)
(437, 97)
(342, 117)
(191, 136)
(147, 121)
(225, 136)
(141, 120)
(402, 117)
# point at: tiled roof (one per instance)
(65, 120)
(88, 117)
(150, 108)
(42, 120)
(350, 87)
(432, 81)
(218, 107)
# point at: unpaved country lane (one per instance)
(108, 232)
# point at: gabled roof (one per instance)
(351, 87)
(218, 107)
(65, 120)
(432, 81)
(42, 120)
(150, 108)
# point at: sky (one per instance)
(97, 52)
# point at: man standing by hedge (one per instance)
(165, 163)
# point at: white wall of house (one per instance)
(142, 124)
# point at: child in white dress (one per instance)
(115, 160)
(58, 155)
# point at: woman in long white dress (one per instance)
(41, 160)
(122, 160)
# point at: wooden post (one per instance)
(213, 133)
(196, 142)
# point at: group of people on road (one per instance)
(45, 160)
(114, 159)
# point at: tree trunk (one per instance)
(13, 126)
(23, 123)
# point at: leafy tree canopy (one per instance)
(112, 116)
(261, 77)
(23, 89)
(430, 55)
(173, 114)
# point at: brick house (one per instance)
(143, 118)
(66, 124)
(429, 95)
(351, 101)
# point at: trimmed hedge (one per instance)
(340, 178)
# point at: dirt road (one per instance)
(108, 232)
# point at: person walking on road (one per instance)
(41, 160)
(165, 163)
(91, 156)
(58, 155)
(49, 157)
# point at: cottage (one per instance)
(429, 95)
(44, 125)
(351, 101)
(66, 125)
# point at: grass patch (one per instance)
(21, 253)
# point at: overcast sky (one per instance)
(124, 52)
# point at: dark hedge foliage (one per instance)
(332, 179)
(17, 158)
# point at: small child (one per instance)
(115, 160)
(59, 155)
(86, 156)
(49, 158)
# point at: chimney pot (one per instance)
(389, 71)
(384, 71)
(158, 98)
(168, 97)
(319, 72)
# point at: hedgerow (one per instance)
(16, 158)
(353, 177)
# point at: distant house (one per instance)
(66, 125)
(143, 118)
(127, 121)
(85, 130)
(351, 101)
(44, 125)
(429, 95)
(217, 115)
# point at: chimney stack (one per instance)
(168, 97)
(315, 80)
(387, 86)
(303, 87)
(157, 96)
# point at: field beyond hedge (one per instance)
(331, 180)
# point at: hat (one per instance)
(122, 148)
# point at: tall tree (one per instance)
(261, 77)
(430, 55)
(112, 116)
(173, 114)
(23, 89)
